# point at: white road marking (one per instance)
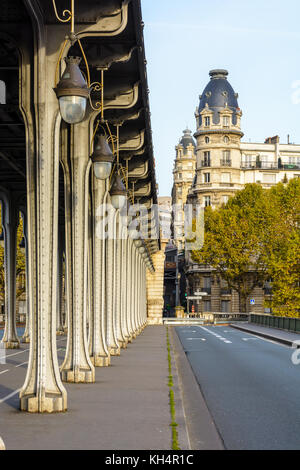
(216, 335)
(3, 372)
(250, 339)
(195, 339)
(2, 400)
(20, 352)
(23, 363)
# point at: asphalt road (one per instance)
(250, 385)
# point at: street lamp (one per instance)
(102, 159)
(118, 193)
(72, 92)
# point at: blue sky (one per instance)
(258, 42)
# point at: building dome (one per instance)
(218, 94)
(187, 139)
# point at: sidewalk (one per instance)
(281, 336)
(126, 409)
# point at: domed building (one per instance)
(224, 165)
(183, 174)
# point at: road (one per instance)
(13, 369)
(250, 385)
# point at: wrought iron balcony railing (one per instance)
(225, 162)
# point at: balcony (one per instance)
(259, 166)
(225, 162)
(226, 291)
(289, 167)
(206, 163)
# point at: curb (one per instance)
(183, 439)
(201, 429)
(286, 342)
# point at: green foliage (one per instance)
(255, 237)
(20, 265)
(284, 253)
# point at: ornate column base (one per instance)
(78, 376)
(11, 344)
(114, 351)
(25, 339)
(123, 344)
(100, 361)
(2, 445)
(44, 404)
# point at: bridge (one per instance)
(77, 161)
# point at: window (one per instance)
(226, 121)
(207, 140)
(269, 178)
(207, 121)
(206, 177)
(207, 282)
(207, 201)
(226, 139)
(207, 306)
(206, 159)
(226, 156)
(225, 306)
(225, 199)
(2, 92)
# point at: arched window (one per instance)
(2, 92)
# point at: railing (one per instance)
(206, 163)
(289, 166)
(281, 323)
(260, 165)
(208, 318)
(226, 291)
(225, 162)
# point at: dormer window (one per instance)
(2, 92)
(207, 121)
(226, 121)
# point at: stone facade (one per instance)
(155, 288)
(183, 174)
(224, 165)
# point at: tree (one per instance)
(20, 265)
(233, 242)
(284, 248)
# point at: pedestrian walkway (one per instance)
(126, 409)
(281, 336)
